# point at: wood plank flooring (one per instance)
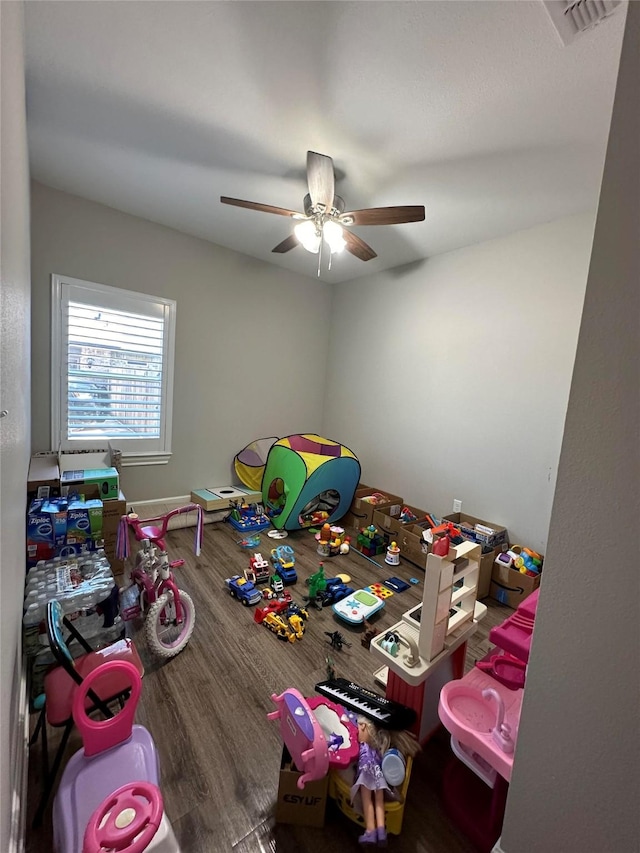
(206, 709)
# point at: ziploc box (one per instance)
(105, 478)
(39, 533)
(56, 509)
(84, 521)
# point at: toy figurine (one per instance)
(337, 640)
(331, 669)
(393, 555)
(317, 583)
(370, 787)
(369, 633)
(346, 545)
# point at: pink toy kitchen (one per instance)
(481, 711)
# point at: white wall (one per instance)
(450, 379)
(576, 779)
(14, 398)
(251, 339)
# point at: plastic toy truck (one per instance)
(258, 571)
(243, 590)
(284, 563)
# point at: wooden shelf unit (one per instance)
(449, 597)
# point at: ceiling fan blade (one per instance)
(321, 179)
(385, 215)
(357, 246)
(287, 244)
(254, 205)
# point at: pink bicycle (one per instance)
(169, 613)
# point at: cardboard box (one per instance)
(112, 512)
(43, 479)
(106, 479)
(220, 497)
(100, 458)
(486, 570)
(408, 536)
(304, 807)
(360, 513)
(476, 530)
(511, 587)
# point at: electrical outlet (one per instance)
(457, 505)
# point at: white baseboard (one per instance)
(19, 761)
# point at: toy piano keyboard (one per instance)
(317, 733)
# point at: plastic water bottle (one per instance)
(31, 628)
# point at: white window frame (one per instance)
(65, 289)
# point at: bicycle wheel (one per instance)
(164, 635)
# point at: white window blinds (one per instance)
(113, 356)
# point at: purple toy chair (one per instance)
(115, 753)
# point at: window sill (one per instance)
(135, 460)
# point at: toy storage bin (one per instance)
(340, 791)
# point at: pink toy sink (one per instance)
(469, 708)
(483, 715)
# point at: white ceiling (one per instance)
(474, 109)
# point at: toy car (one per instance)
(284, 563)
(243, 590)
(295, 610)
(279, 627)
(297, 625)
(276, 605)
(276, 583)
(258, 571)
(335, 591)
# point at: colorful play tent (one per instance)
(249, 463)
(308, 480)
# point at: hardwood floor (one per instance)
(206, 709)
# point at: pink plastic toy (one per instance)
(115, 753)
(317, 733)
(169, 611)
(130, 820)
(515, 633)
(302, 735)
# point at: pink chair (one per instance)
(116, 752)
(62, 682)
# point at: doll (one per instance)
(370, 785)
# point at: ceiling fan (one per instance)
(324, 219)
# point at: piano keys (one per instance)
(384, 712)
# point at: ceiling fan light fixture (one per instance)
(324, 216)
(332, 233)
(307, 234)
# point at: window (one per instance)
(111, 370)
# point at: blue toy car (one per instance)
(284, 563)
(335, 591)
(243, 590)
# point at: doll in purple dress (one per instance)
(370, 788)
(370, 784)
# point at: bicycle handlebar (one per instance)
(137, 524)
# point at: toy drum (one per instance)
(394, 767)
